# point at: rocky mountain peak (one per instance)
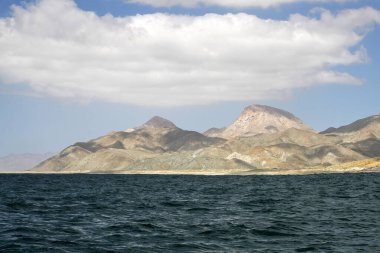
(159, 122)
(257, 119)
(269, 110)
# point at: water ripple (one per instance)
(132, 213)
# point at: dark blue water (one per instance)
(132, 213)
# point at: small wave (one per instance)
(173, 203)
(199, 209)
(306, 249)
(265, 232)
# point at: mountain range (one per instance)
(21, 162)
(261, 140)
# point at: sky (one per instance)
(73, 70)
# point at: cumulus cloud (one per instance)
(59, 50)
(227, 3)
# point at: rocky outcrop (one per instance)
(214, 132)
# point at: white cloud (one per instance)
(227, 3)
(159, 59)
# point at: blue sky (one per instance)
(37, 118)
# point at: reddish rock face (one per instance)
(258, 119)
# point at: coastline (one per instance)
(371, 165)
(272, 172)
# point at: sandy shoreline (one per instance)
(271, 172)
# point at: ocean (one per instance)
(173, 213)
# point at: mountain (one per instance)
(20, 162)
(262, 140)
(367, 125)
(120, 149)
(158, 122)
(290, 148)
(259, 119)
(361, 129)
(362, 136)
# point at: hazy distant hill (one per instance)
(262, 138)
(19, 162)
